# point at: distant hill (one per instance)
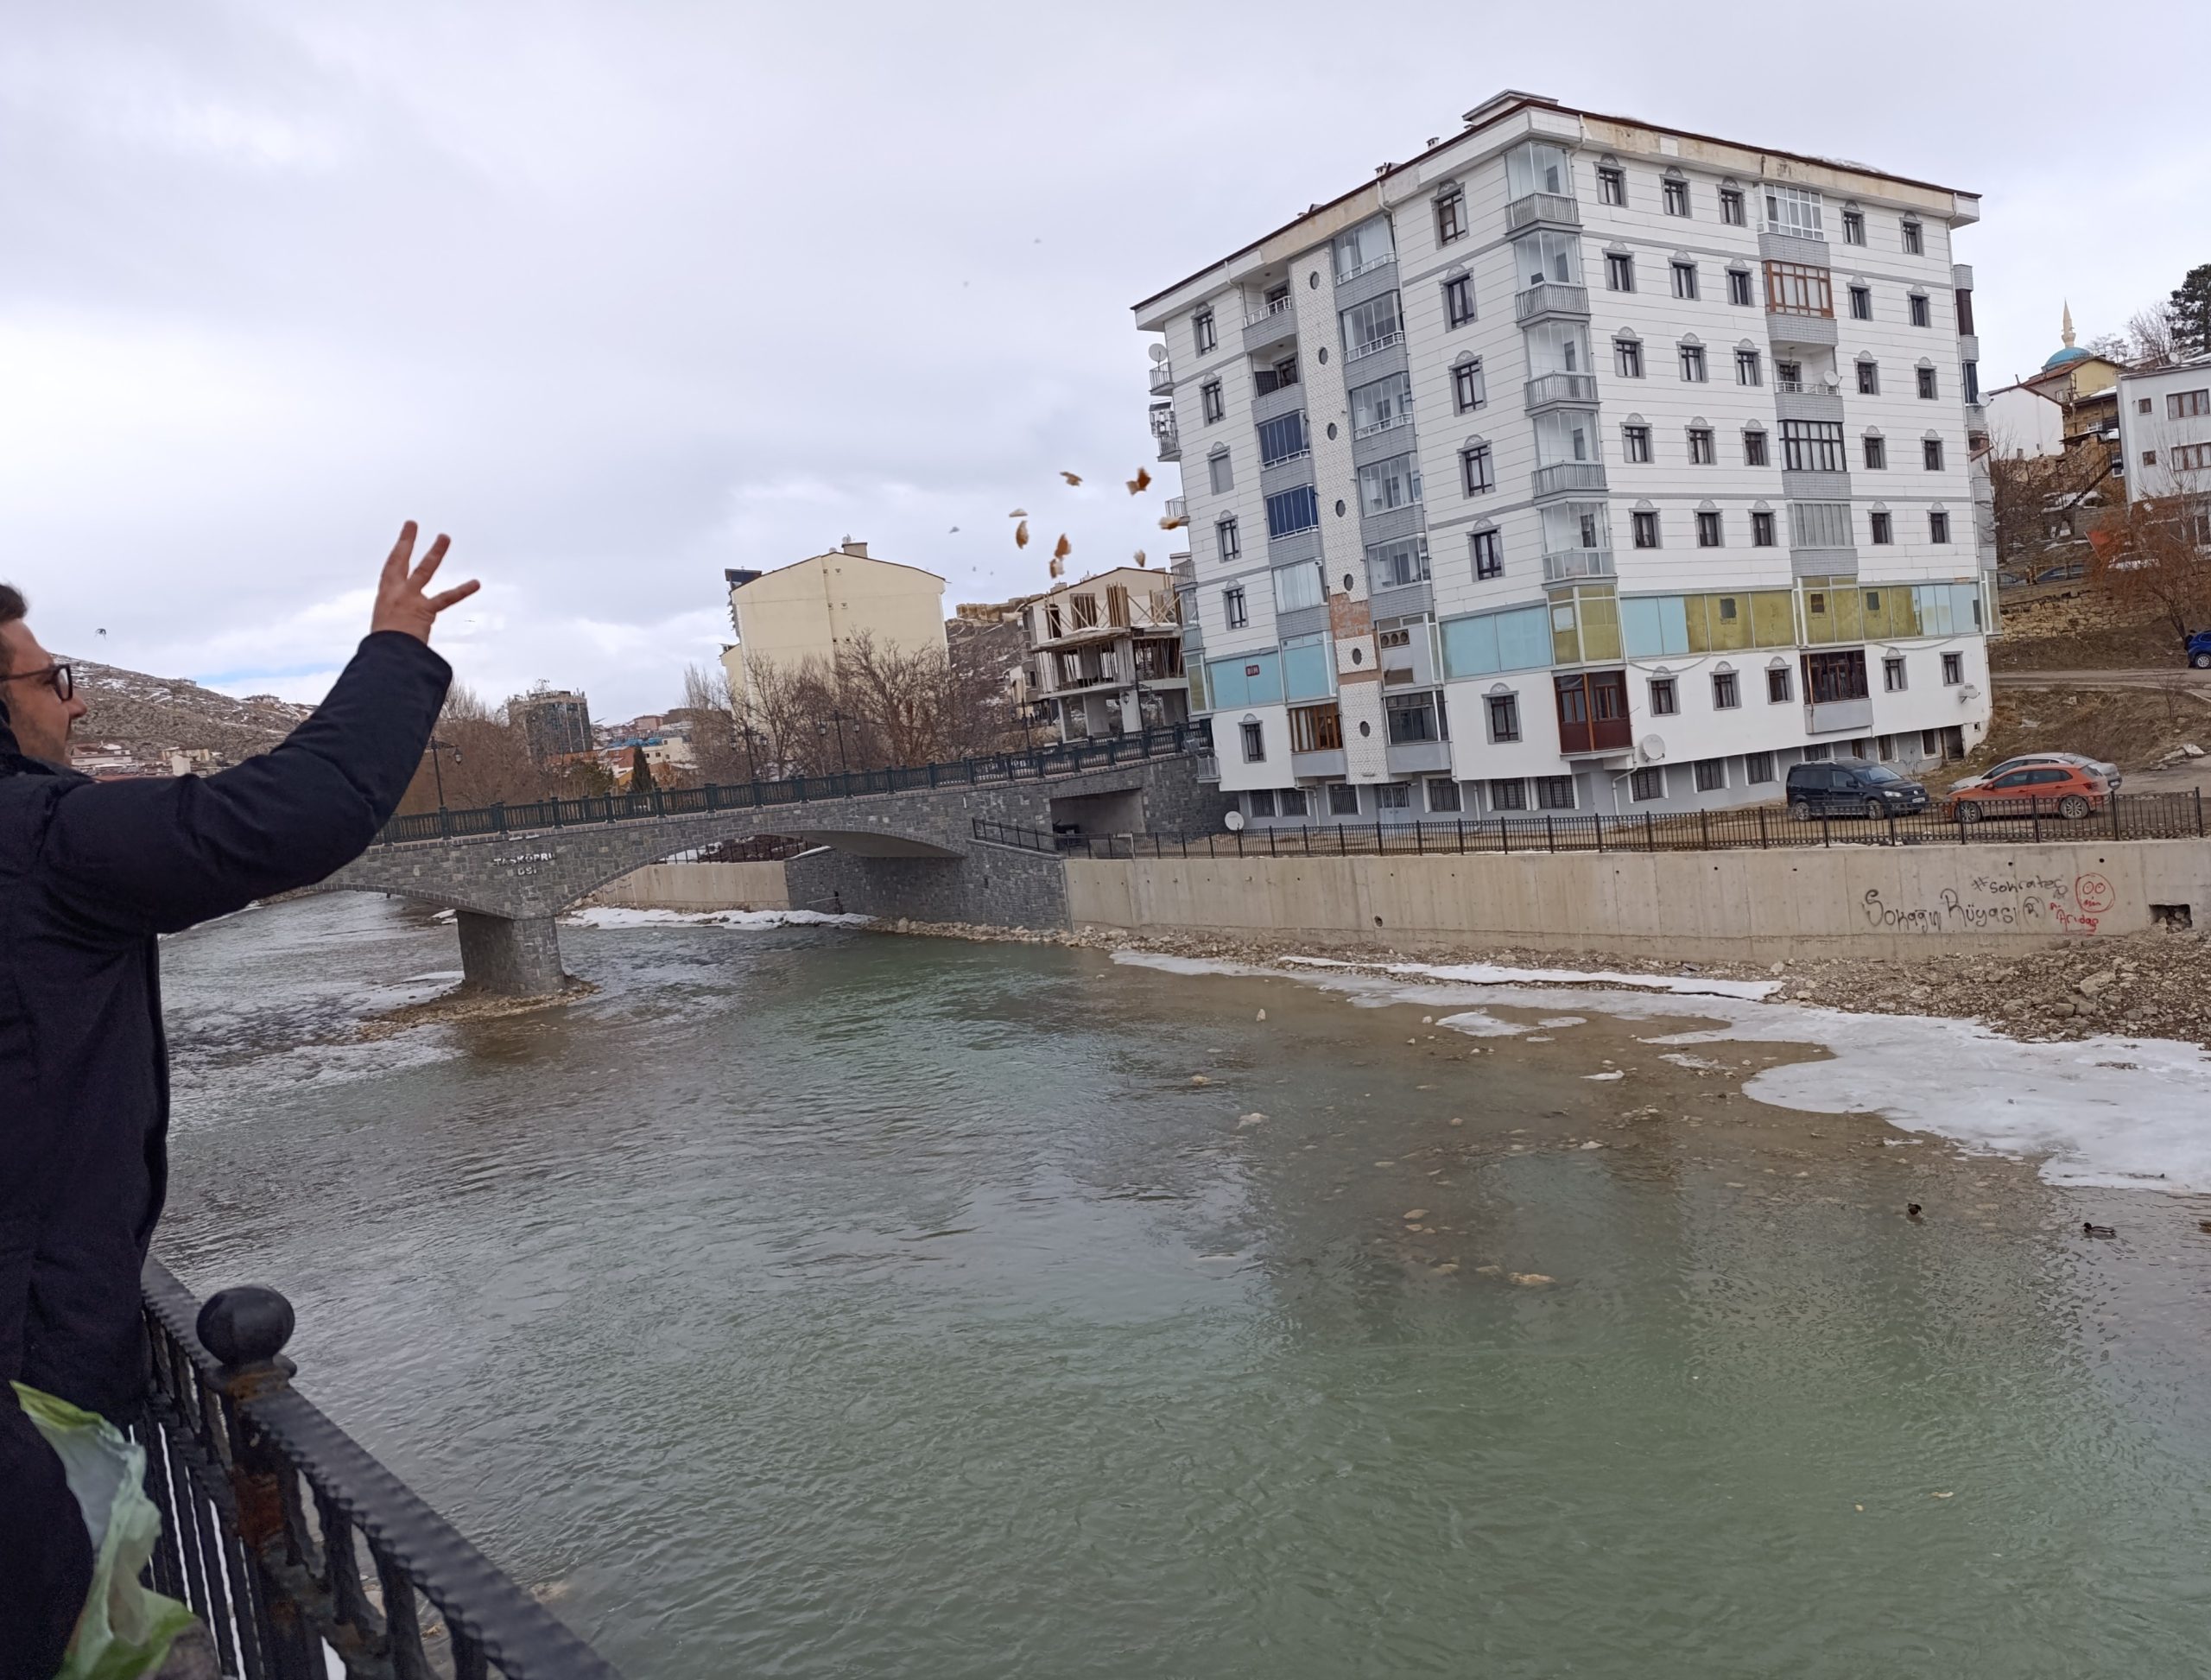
(148, 717)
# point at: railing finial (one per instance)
(245, 1326)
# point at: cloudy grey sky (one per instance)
(623, 292)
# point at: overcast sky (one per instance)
(622, 294)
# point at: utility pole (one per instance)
(437, 773)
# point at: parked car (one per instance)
(2199, 650)
(2020, 761)
(2068, 791)
(2065, 572)
(1850, 787)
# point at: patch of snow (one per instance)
(615, 916)
(1477, 1023)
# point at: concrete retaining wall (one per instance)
(1867, 901)
(700, 886)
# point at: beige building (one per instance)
(1105, 654)
(818, 607)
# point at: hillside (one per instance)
(148, 717)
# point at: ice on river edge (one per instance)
(612, 915)
(2131, 1113)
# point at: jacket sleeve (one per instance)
(155, 856)
(45, 1555)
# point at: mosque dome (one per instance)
(2071, 353)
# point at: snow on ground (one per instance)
(611, 916)
(1487, 973)
(2127, 1112)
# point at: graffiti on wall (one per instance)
(2000, 905)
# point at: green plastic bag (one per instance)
(127, 1630)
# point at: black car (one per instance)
(1850, 787)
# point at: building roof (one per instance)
(836, 554)
(1501, 106)
(2071, 353)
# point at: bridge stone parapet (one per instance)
(909, 854)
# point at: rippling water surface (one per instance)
(818, 1303)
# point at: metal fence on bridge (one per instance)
(267, 1507)
(1044, 763)
(2123, 817)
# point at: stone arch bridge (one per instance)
(879, 848)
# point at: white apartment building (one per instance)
(1579, 465)
(2164, 431)
(1105, 654)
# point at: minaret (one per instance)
(2067, 334)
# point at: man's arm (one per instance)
(157, 856)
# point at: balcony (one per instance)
(1162, 428)
(1162, 378)
(1377, 427)
(1177, 514)
(1275, 325)
(1571, 565)
(1790, 326)
(1416, 758)
(1547, 389)
(1322, 763)
(1367, 267)
(1833, 717)
(1564, 478)
(1373, 345)
(1550, 299)
(1535, 208)
(1182, 569)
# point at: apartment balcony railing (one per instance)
(1279, 307)
(1184, 570)
(1546, 389)
(1564, 477)
(1162, 378)
(1534, 207)
(1163, 428)
(1367, 267)
(1550, 297)
(1178, 511)
(1284, 460)
(1815, 387)
(1377, 427)
(1373, 345)
(1568, 565)
(1831, 717)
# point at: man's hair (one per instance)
(11, 608)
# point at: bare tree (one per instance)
(2149, 335)
(2149, 558)
(715, 742)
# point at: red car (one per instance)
(2049, 789)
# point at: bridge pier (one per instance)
(511, 956)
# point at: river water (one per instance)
(812, 1302)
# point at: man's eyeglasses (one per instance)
(57, 677)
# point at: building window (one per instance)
(1210, 401)
(1762, 529)
(1476, 470)
(1869, 378)
(1676, 197)
(1627, 358)
(1612, 184)
(1443, 794)
(1489, 555)
(1261, 799)
(1226, 539)
(2185, 404)
(2148, 458)
(1284, 439)
(1393, 796)
(1892, 674)
(1619, 271)
(1255, 743)
(1370, 327)
(1794, 289)
(1726, 694)
(1508, 795)
(1853, 227)
(1778, 685)
(1758, 767)
(1930, 454)
(1503, 717)
(2193, 458)
(1290, 800)
(1738, 286)
(1922, 312)
(1235, 609)
(1459, 300)
(1381, 403)
(1684, 279)
(1703, 452)
(1754, 447)
(1926, 388)
(1646, 529)
(1789, 376)
(1883, 529)
(1747, 371)
(1343, 798)
(1218, 474)
(1877, 452)
(1664, 702)
(1914, 245)
(1954, 670)
(1812, 446)
(1731, 205)
(1794, 211)
(1938, 526)
(1647, 785)
(1468, 392)
(1415, 718)
(1693, 363)
(1201, 329)
(1316, 729)
(1292, 512)
(1450, 218)
(1708, 530)
(1711, 775)
(1634, 443)
(1391, 484)
(1861, 303)
(1398, 564)
(1267, 380)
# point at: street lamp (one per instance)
(437, 773)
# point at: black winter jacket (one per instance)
(90, 874)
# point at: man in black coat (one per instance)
(90, 874)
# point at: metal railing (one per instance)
(268, 1507)
(1162, 378)
(1550, 297)
(1375, 429)
(1041, 763)
(1565, 565)
(1531, 207)
(1548, 387)
(1374, 345)
(1563, 478)
(2124, 817)
(1280, 306)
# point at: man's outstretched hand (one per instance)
(401, 602)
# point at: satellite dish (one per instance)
(1654, 747)
(1159, 352)
(1235, 822)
